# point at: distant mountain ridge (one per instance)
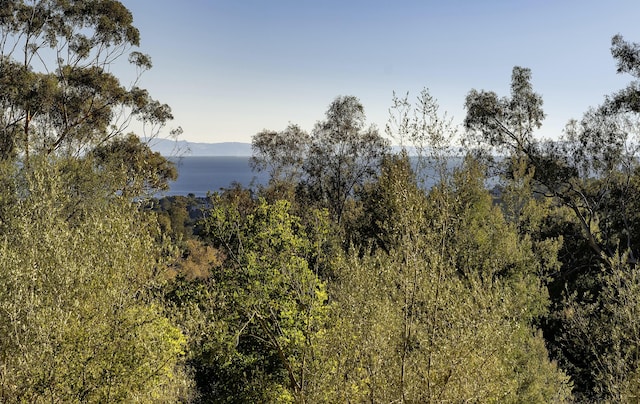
(168, 147)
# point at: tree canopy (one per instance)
(350, 277)
(58, 92)
(339, 156)
(580, 190)
(80, 263)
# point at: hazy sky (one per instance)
(232, 68)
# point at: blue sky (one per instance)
(231, 68)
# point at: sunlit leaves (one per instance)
(78, 322)
(275, 304)
(445, 311)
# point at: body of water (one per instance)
(201, 174)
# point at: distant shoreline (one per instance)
(170, 148)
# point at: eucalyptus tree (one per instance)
(344, 154)
(589, 171)
(506, 126)
(280, 154)
(589, 178)
(59, 94)
(599, 333)
(78, 262)
(134, 168)
(506, 122)
(340, 155)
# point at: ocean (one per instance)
(199, 175)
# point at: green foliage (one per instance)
(603, 330)
(78, 262)
(451, 318)
(344, 154)
(387, 205)
(134, 167)
(506, 123)
(281, 154)
(591, 170)
(580, 191)
(347, 281)
(178, 215)
(482, 241)
(78, 321)
(331, 164)
(263, 309)
(58, 93)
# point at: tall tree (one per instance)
(58, 92)
(506, 123)
(601, 186)
(341, 154)
(590, 180)
(589, 170)
(344, 154)
(280, 154)
(134, 168)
